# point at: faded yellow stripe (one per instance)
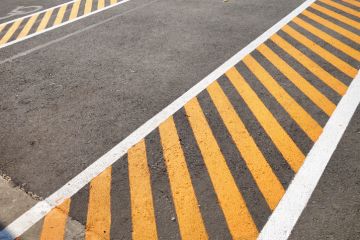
(312, 66)
(142, 208)
(113, 2)
(300, 116)
(344, 32)
(187, 210)
(331, 58)
(2, 27)
(25, 31)
(45, 20)
(99, 214)
(341, 7)
(266, 180)
(352, 2)
(337, 16)
(55, 222)
(101, 4)
(88, 6)
(329, 39)
(74, 10)
(238, 218)
(10, 31)
(309, 90)
(60, 15)
(278, 135)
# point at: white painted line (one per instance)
(29, 218)
(286, 214)
(62, 24)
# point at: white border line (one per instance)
(62, 24)
(286, 214)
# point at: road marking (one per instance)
(28, 26)
(88, 6)
(44, 21)
(101, 4)
(285, 216)
(352, 2)
(341, 7)
(99, 213)
(238, 218)
(187, 208)
(142, 207)
(60, 15)
(10, 32)
(75, 10)
(55, 221)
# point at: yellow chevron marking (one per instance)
(55, 222)
(312, 66)
(352, 2)
(336, 16)
(187, 208)
(309, 90)
(25, 31)
(329, 39)
(278, 135)
(45, 20)
(266, 180)
(329, 57)
(60, 15)
(74, 10)
(344, 32)
(88, 6)
(101, 4)
(238, 218)
(341, 7)
(142, 208)
(11, 31)
(99, 214)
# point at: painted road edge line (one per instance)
(33, 215)
(62, 24)
(290, 207)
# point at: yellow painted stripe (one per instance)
(341, 7)
(74, 10)
(266, 180)
(88, 6)
(312, 66)
(2, 26)
(101, 4)
(10, 31)
(99, 215)
(329, 39)
(55, 222)
(352, 2)
(309, 90)
(278, 135)
(337, 16)
(344, 32)
(45, 20)
(113, 2)
(331, 58)
(60, 15)
(300, 116)
(187, 208)
(238, 218)
(142, 208)
(25, 31)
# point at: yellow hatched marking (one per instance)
(99, 214)
(312, 66)
(74, 10)
(278, 135)
(329, 57)
(329, 39)
(352, 2)
(55, 222)
(300, 116)
(346, 33)
(309, 90)
(88, 6)
(60, 15)
(101, 4)
(189, 217)
(238, 218)
(142, 208)
(337, 16)
(266, 180)
(25, 31)
(2, 27)
(10, 32)
(341, 7)
(113, 2)
(45, 20)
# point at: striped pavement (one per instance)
(219, 166)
